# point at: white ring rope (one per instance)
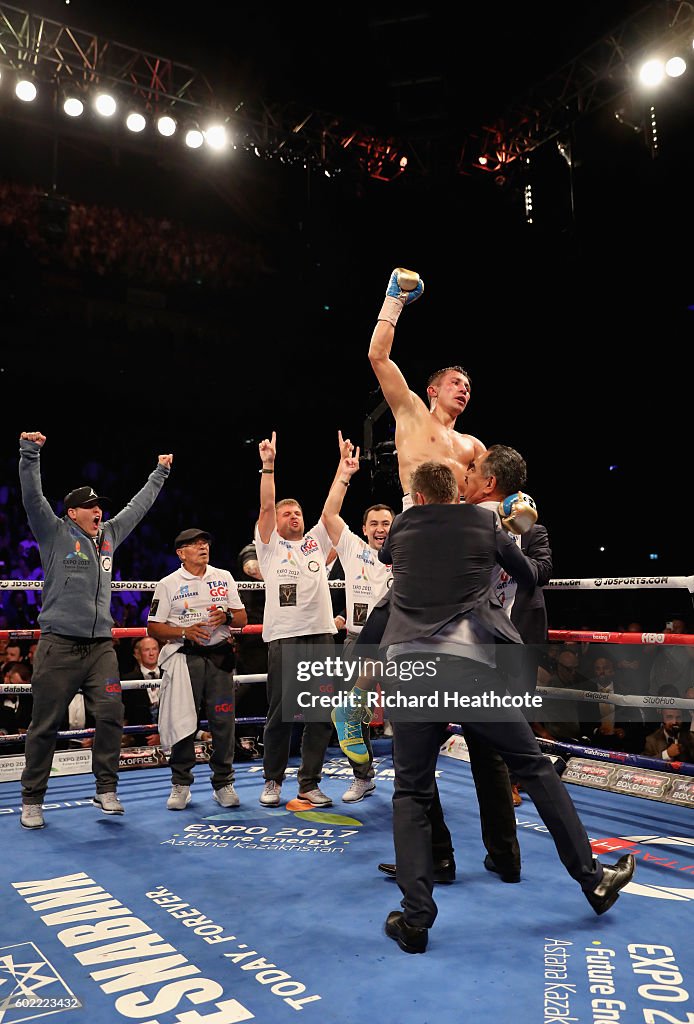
(625, 583)
(593, 583)
(622, 700)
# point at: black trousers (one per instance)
(212, 681)
(489, 773)
(497, 813)
(277, 735)
(415, 754)
(63, 667)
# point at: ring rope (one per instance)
(71, 734)
(622, 700)
(598, 754)
(119, 632)
(590, 583)
(624, 583)
(574, 635)
(606, 637)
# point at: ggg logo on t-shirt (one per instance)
(310, 546)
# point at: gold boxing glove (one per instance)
(518, 512)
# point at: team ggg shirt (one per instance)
(297, 596)
(366, 579)
(503, 585)
(182, 599)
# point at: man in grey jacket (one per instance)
(76, 650)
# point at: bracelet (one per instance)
(183, 633)
(267, 471)
(345, 483)
(228, 617)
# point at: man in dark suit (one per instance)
(529, 612)
(491, 477)
(142, 706)
(443, 555)
(15, 708)
(664, 742)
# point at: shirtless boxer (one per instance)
(421, 434)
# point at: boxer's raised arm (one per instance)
(404, 286)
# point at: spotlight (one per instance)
(73, 106)
(105, 104)
(135, 122)
(25, 90)
(652, 73)
(216, 137)
(675, 67)
(166, 125)
(194, 138)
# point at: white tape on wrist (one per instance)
(391, 309)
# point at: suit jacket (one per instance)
(529, 613)
(442, 558)
(138, 706)
(656, 743)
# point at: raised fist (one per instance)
(33, 435)
(405, 285)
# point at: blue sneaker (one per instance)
(348, 723)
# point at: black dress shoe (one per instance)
(410, 940)
(615, 877)
(444, 871)
(505, 876)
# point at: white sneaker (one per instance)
(359, 789)
(179, 798)
(226, 796)
(316, 797)
(108, 802)
(32, 816)
(270, 797)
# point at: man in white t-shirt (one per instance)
(192, 611)
(298, 615)
(367, 580)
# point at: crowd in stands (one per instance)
(107, 241)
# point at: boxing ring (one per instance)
(269, 914)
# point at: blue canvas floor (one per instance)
(224, 916)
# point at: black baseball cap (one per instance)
(187, 536)
(84, 497)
